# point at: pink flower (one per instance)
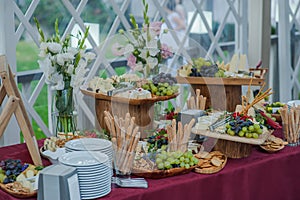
(117, 49)
(155, 27)
(166, 51)
(131, 61)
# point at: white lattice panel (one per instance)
(120, 7)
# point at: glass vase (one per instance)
(64, 113)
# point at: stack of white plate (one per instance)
(91, 144)
(94, 173)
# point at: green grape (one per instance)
(251, 128)
(182, 164)
(167, 165)
(245, 129)
(259, 131)
(154, 89)
(256, 127)
(158, 160)
(228, 126)
(181, 159)
(241, 133)
(160, 166)
(255, 135)
(157, 93)
(169, 92)
(187, 166)
(177, 161)
(186, 160)
(195, 160)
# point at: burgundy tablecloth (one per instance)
(260, 176)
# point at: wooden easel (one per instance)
(15, 105)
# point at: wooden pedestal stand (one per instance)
(221, 93)
(141, 109)
(15, 105)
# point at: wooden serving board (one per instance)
(21, 195)
(100, 96)
(224, 136)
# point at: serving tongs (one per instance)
(124, 87)
(220, 122)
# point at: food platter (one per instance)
(9, 188)
(157, 174)
(100, 96)
(260, 140)
(212, 167)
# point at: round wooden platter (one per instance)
(157, 174)
(270, 149)
(100, 96)
(21, 195)
(211, 170)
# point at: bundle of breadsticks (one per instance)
(178, 138)
(125, 137)
(197, 102)
(291, 123)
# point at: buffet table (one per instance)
(259, 176)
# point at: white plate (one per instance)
(97, 186)
(88, 144)
(83, 158)
(94, 195)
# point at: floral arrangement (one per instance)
(143, 49)
(62, 64)
(64, 67)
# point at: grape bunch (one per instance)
(157, 140)
(244, 127)
(164, 78)
(167, 160)
(10, 169)
(162, 85)
(204, 68)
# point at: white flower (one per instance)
(57, 81)
(143, 54)
(43, 50)
(152, 62)
(152, 47)
(70, 69)
(139, 66)
(89, 56)
(60, 59)
(73, 51)
(54, 47)
(129, 48)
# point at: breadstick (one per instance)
(180, 136)
(117, 125)
(107, 122)
(170, 139)
(127, 120)
(115, 147)
(174, 134)
(130, 153)
(113, 128)
(193, 105)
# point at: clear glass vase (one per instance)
(64, 113)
